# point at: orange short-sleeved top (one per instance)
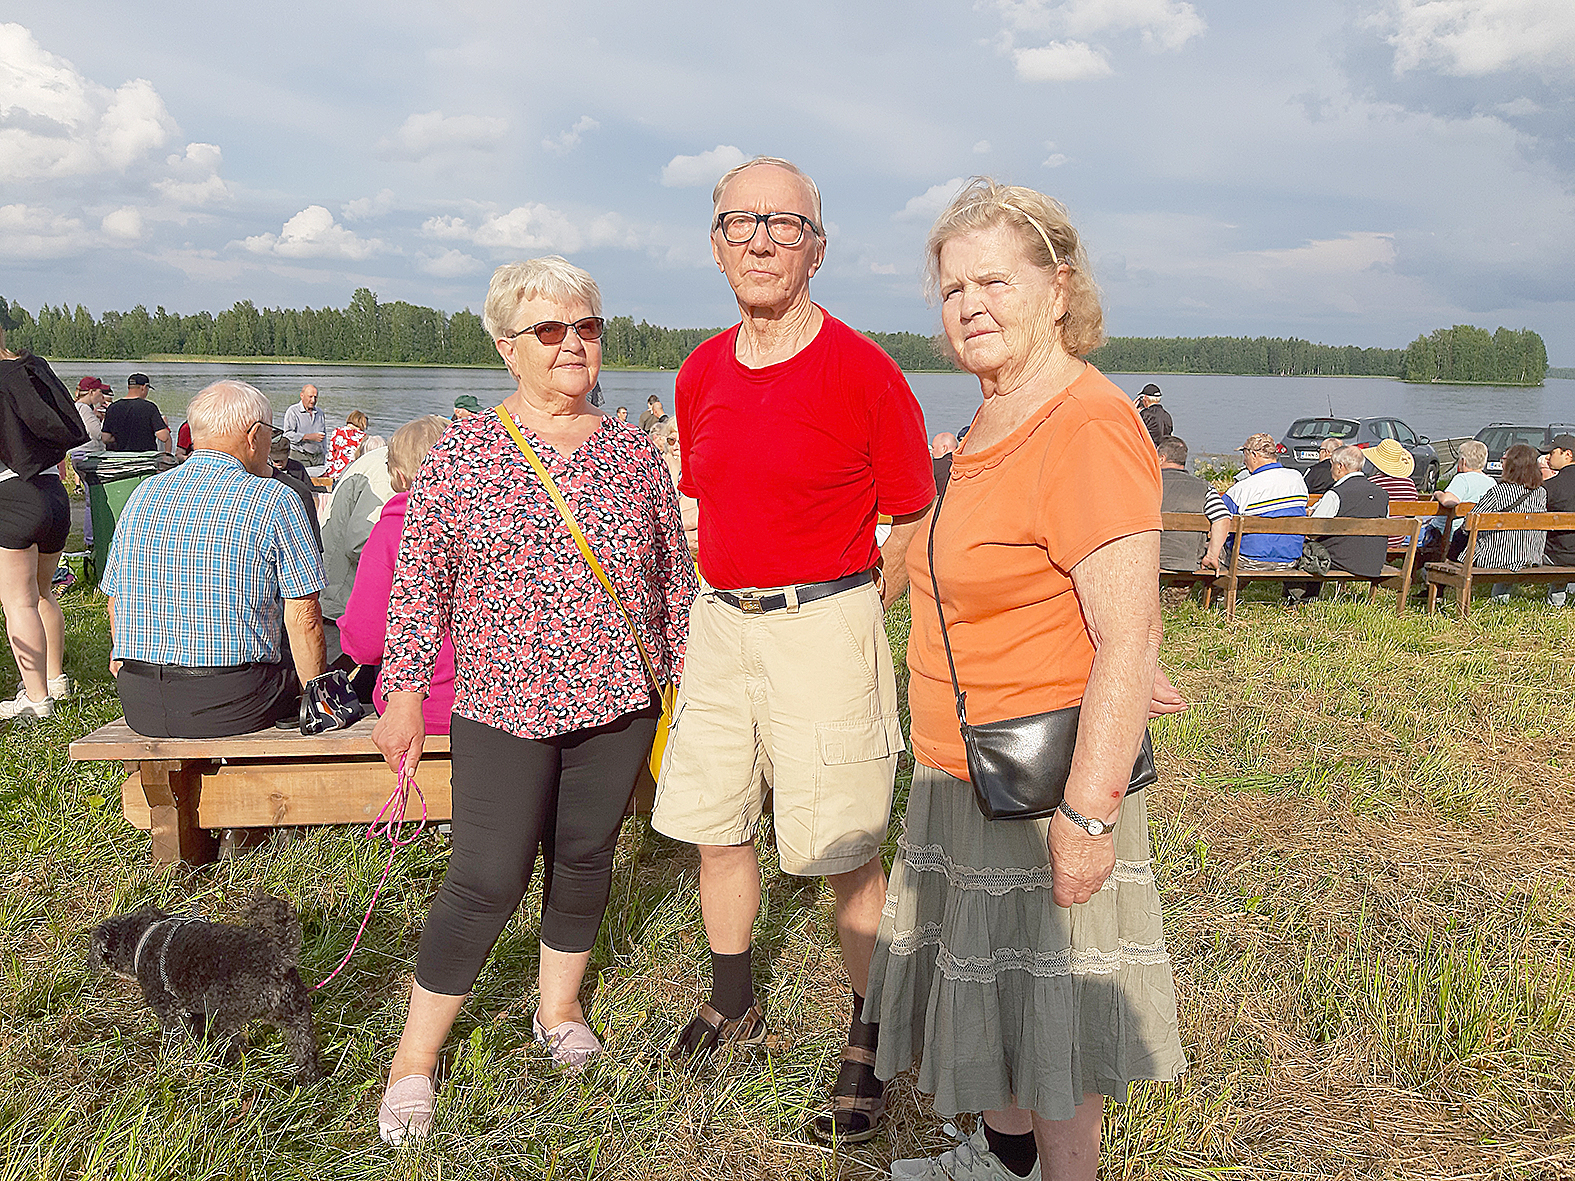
(1016, 518)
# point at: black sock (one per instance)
(1017, 1153)
(732, 983)
(859, 1033)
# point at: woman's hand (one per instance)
(1079, 863)
(1165, 697)
(401, 732)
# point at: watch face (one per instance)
(1096, 828)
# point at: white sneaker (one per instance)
(24, 707)
(970, 1160)
(60, 687)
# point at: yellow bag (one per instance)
(667, 693)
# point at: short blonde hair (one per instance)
(552, 277)
(777, 162)
(227, 408)
(1044, 229)
(409, 447)
(662, 430)
(1473, 456)
(356, 418)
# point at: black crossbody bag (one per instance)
(1019, 766)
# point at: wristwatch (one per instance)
(1094, 828)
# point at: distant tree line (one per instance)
(369, 330)
(1468, 354)
(1254, 355)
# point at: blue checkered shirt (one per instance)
(203, 558)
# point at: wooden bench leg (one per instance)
(173, 789)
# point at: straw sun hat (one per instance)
(1391, 459)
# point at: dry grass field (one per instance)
(1365, 842)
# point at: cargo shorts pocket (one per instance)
(855, 767)
(863, 741)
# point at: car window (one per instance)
(1499, 439)
(1383, 428)
(1403, 432)
(1322, 428)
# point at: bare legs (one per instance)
(1069, 1148)
(33, 620)
(730, 902)
(432, 1014)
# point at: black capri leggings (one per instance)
(566, 795)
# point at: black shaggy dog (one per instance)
(213, 978)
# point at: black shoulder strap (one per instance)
(935, 515)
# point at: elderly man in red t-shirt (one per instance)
(795, 432)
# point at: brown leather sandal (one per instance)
(871, 1107)
(709, 1030)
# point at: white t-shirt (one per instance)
(94, 426)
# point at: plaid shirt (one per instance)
(203, 558)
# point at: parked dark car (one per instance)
(1299, 447)
(1501, 436)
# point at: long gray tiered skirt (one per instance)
(997, 992)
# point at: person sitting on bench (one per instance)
(211, 566)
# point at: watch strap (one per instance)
(1094, 828)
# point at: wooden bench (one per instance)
(1460, 575)
(1394, 578)
(181, 788)
(1206, 578)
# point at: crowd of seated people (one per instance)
(1353, 482)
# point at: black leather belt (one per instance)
(760, 602)
(173, 672)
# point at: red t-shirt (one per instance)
(792, 463)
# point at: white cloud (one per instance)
(981, 147)
(365, 208)
(451, 264)
(1163, 24)
(124, 224)
(1055, 159)
(313, 233)
(29, 231)
(684, 172)
(883, 268)
(538, 227)
(423, 135)
(928, 204)
(1061, 61)
(1470, 38)
(59, 123)
(567, 141)
(195, 178)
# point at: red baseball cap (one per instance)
(92, 383)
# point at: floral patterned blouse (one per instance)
(342, 446)
(540, 647)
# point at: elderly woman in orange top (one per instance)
(1022, 963)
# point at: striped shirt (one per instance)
(203, 558)
(1510, 549)
(1271, 491)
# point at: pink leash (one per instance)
(389, 824)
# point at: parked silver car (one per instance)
(1299, 448)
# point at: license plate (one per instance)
(1306, 455)
(1495, 466)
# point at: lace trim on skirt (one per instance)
(1070, 961)
(997, 881)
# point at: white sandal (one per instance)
(571, 1044)
(405, 1114)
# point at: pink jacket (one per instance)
(364, 624)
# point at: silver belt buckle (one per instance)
(749, 603)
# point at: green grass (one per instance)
(1363, 836)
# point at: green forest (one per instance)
(371, 331)
(1467, 354)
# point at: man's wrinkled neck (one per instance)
(769, 335)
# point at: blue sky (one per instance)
(1352, 172)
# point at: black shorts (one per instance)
(34, 512)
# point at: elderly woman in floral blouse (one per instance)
(554, 713)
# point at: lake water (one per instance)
(1213, 414)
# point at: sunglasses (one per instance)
(553, 331)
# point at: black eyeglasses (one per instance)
(553, 331)
(738, 227)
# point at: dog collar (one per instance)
(136, 956)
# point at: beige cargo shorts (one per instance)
(801, 702)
